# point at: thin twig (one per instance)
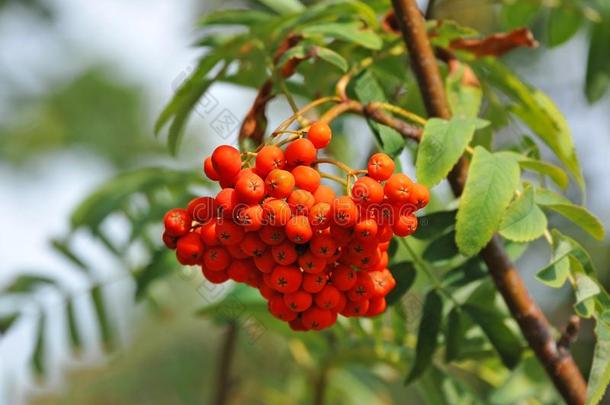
(224, 382)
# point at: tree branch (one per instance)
(224, 382)
(535, 327)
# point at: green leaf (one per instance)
(26, 283)
(442, 32)
(332, 57)
(456, 329)
(492, 181)
(6, 321)
(471, 270)
(64, 249)
(442, 144)
(368, 90)
(161, 264)
(555, 274)
(575, 213)
(352, 32)
(38, 356)
(105, 328)
(464, 100)
(536, 110)
(427, 335)
(283, 6)
(599, 377)
(523, 221)
(555, 173)
(248, 17)
(442, 248)
(598, 75)
(519, 13)
(73, 331)
(434, 224)
(502, 338)
(586, 289)
(404, 273)
(564, 21)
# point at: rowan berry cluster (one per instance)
(312, 254)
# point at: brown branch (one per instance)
(224, 381)
(535, 327)
(570, 333)
(320, 386)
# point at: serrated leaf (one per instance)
(555, 173)
(564, 21)
(536, 110)
(523, 220)
(585, 289)
(283, 6)
(501, 337)
(575, 213)
(404, 273)
(492, 181)
(434, 224)
(441, 145)
(464, 99)
(246, 17)
(352, 32)
(471, 270)
(598, 77)
(442, 248)
(368, 90)
(599, 377)
(555, 274)
(332, 57)
(38, 356)
(105, 328)
(456, 329)
(427, 336)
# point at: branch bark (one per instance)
(536, 329)
(224, 381)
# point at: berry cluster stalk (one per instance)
(535, 327)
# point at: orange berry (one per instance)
(380, 166)
(319, 134)
(276, 212)
(298, 229)
(405, 225)
(202, 209)
(311, 263)
(319, 216)
(367, 191)
(279, 183)
(226, 202)
(306, 177)
(250, 188)
(285, 253)
(229, 233)
(209, 170)
(343, 277)
(344, 212)
(323, 246)
(365, 229)
(300, 201)
(420, 195)
(300, 152)
(272, 235)
(251, 218)
(398, 188)
(268, 158)
(226, 161)
(324, 194)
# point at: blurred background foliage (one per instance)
(164, 354)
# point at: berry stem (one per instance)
(400, 111)
(340, 165)
(286, 123)
(334, 178)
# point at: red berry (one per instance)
(363, 289)
(170, 241)
(367, 191)
(319, 134)
(300, 152)
(240, 270)
(356, 308)
(229, 233)
(311, 263)
(285, 253)
(323, 246)
(214, 277)
(268, 158)
(314, 283)
(202, 209)
(189, 248)
(177, 222)
(252, 245)
(250, 188)
(319, 215)
(286, 279)
(324, 194)
(276, 212)
(216, 259)
(343, 277)
(251, 218)
(376, 306)
(226, 161)
(280, 310)
(306, 178)
(365, 229)
(380, 166)
(209, 170)
(317, 318)
(344, 212)
(265, 262)
(328, 298)
(279, 183)
(298, 229)
(227, 202)
(272, 235)
(405, 225)
(298, 301)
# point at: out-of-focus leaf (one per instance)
(434, 224)
(160, 265)
(442, 144)
(555, 173)
(442, 32)
(492, 181)
(464, 97)
(519, 13)
(246, 17)
(6, 321)
(575, 213)
(25, 283)
(471, 270)
(64, 249)
(332, 57)
(368, 90)
(38, 356)
(456, 328)
(599, 377)
(105, 327)
(598, 76)
(404, 273)
(283, 6)
(427, 336)
(73, 331)
(563, 22)
(523, 220)
(495, 44)
(352, 32)
(441, 248)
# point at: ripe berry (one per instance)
(266, 291)
(362, 289)
(365, 229)
(265, 262)
(298, 301)
(226, 202)
(229, 233)
(319, 215)
(297, 325)
(398, 188)
(284, 253)
(376, 306)
(268, 158)
(298, 229)
(343, 277)
(216, 259)
(276, 212)
(367, 191)
(209, 170)
(300, 152)
(380, 166)
(252, 245)
(344, 211)
(323, 246)
(317, 318)
(324, 194)
(279, 183)
(189, 248)
(236, 252)
(279, 309)
(356, 308)
(177, 222)
(208, 235)
(306, 178)
(251, 218)
(300, 201)
(214, 277)
(272, 235)
(319, 134)
(328, 298)
(420, 196)
(170, 241)
(250, 188)
(226, 161)
(286, 279)
(405, 225)
(240, 270)
(314, 283)
(202, 209)
(341, 235)
(311, 263)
